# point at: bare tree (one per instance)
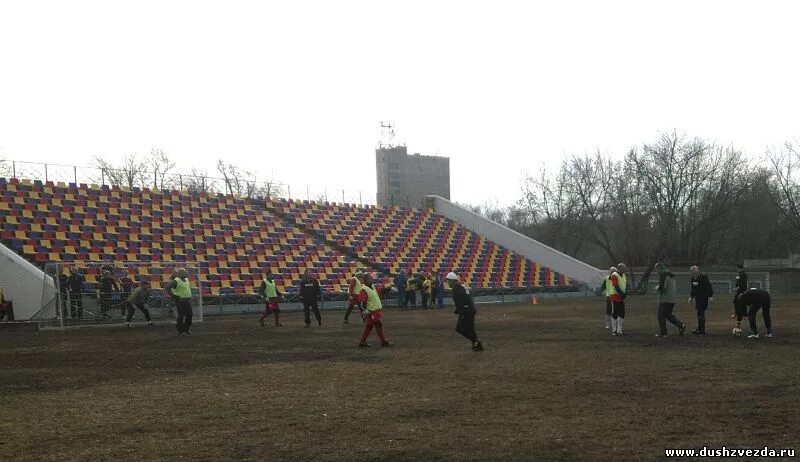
(691, 186)
(785, 187)
(678, 197)
(489, 209)
(130, 172)
(198, 182)
(160, 166)
(234, 177)
(5, 168)
(552, 209)
(592, 181)
(244, 183)
(271, 188)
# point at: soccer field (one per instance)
(551, 385)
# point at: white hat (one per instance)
(451, 276)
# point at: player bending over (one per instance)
(373, 315)
(138, 299)
(757, 299)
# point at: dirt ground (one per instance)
(551, 385)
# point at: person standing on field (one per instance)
(271, 295)
(411, 291)
(701, 294)
(426, 291)
(439, 291)
(76, 282)
(739, 310)
(400, 284)
(666, 301)
(465, 309)
(619, 284)
(126, 288)
(310, 293)
(353, 291)
(607, 290)
(107, 286)
(369, 298)
(181, 289)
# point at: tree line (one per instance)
(156, 170)
(681, 199)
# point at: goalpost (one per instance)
(72, 293)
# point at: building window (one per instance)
(393, 165)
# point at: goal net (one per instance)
(96, 293)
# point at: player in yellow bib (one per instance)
(182, 291)
(353, 290)
(272, 295)
(608, 289)
(374, 317)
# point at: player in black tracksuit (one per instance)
(757, 299)
(126, 286)
(701, 294)
(76, 281)
(310, 293)
(108, 285)
(465, 309)
(739, 310)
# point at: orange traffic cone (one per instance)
(534, 301)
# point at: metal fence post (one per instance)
(13, 169)
(75, 174)
(45, 173)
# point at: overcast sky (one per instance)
(297, 89)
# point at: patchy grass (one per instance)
(552, 385)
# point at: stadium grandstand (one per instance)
(234, 238)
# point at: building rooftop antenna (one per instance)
(387, 135)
